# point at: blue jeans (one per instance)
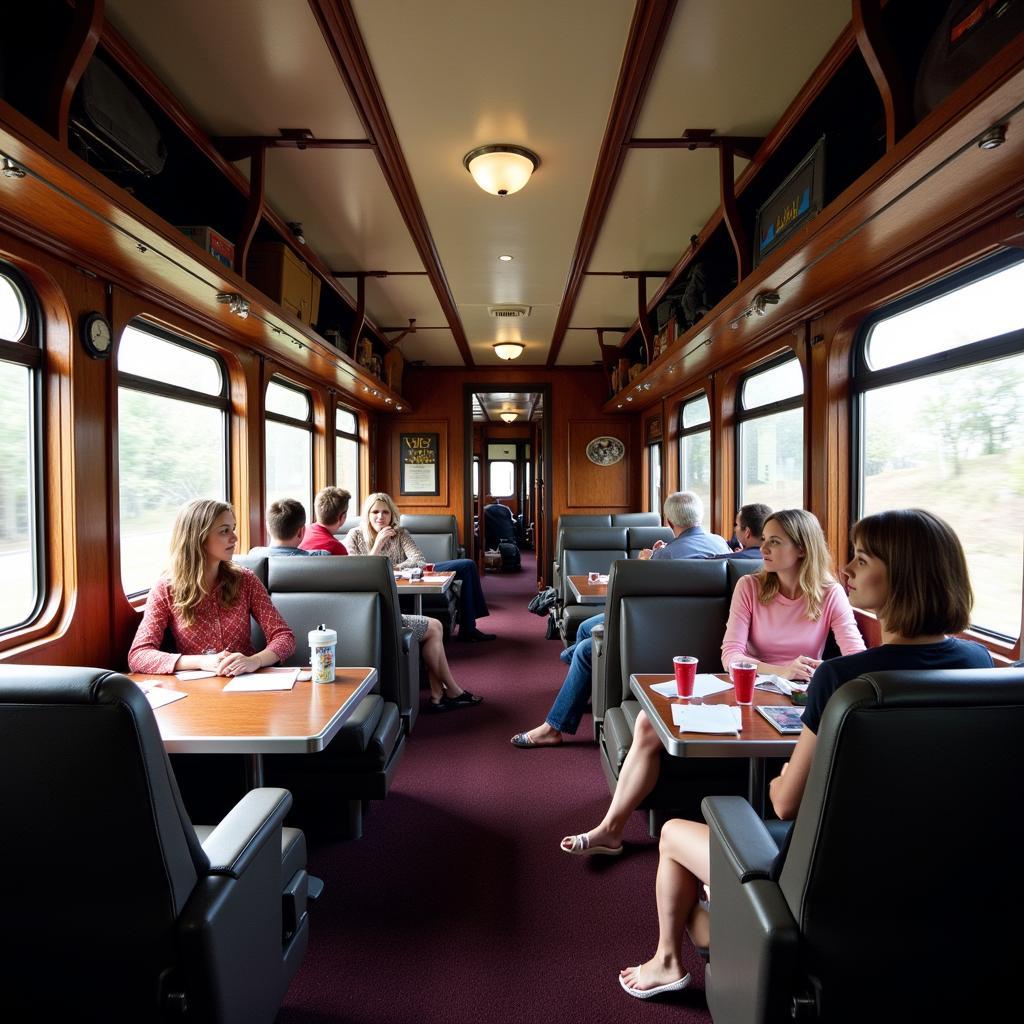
(573, 697)
(472, 603)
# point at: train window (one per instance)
(503, 479)
(771, 436)
(940, 414)
(289, 413)
(476, 476)
(20, 450)
(695, 449)
(172, 442)
(346, 453)
(654, 477)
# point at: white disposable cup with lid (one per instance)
(322, 644)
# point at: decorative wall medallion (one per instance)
(605, 451)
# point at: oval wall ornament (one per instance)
(605, 451)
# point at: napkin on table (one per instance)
(709, 718)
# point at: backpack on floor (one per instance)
(509, 552)
(543, 601)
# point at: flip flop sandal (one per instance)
(464, 700)
(523, 741)
(658, 990)
(580, 847)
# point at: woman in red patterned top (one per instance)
(207, 602)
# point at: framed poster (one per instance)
(796, 200)
(419, 464)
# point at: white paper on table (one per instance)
(434, 579)
(197, 673)
(158, 698)
(704, 685)
(776, 684)
(602, 577)
(712, 718)
(268, 679)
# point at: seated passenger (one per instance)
(683, 512)
(207, 603)
(909, 569)
(747, 529)
(780, 617)
(499, 524)
(331, 510)
(377, 536)
(286, 524)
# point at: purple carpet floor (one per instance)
(457, 904)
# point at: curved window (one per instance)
(695, 449)
(289, 444)
(940, 411)
(21, 557)
(654, 477)
(346, 453)
(771, 436)
(172, 442)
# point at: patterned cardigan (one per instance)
(403, 551)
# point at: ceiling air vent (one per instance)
(509, 312)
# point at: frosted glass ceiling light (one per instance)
(501, 169)
(508, 417)
(509, 349)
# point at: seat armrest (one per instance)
(245, 829)
(598, 690)
(407, 640)
(597, 635)
(746, 843)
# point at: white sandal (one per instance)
(658, 990)
(580, 846)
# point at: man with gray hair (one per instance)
(683, 512)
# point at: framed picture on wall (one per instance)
(420, 464)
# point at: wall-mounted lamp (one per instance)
(993, 138)
(501, 169)
(11, 169)
(508, 417)
(235, 303)
(757, 308)
(295, 227)
(509, 349)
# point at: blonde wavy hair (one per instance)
(369, 533)
(804, 530)
(188, 560)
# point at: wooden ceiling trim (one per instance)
(885, 70)
(647, 33)
(133, 65)
(340, 29)
(822, 74)
(76, 52)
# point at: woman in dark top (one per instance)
(909, 569)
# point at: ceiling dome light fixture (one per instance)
(509, 349)
(505, 258)
(508, 417)
(501, 169)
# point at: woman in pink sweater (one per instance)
(781, 617)
(207, 602)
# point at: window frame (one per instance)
(742, 415)
(307, 424)
(147, 385)
(345, 435)
(863, 379)
(651, 476)
(28, 351)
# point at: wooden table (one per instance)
(301, 720)
(758, 740)
(587, 592)
(417, 588)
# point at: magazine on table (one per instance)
(785, 719)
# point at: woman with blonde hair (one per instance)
(908, 567)
(379, 534)
(779, 617)
(207, 601)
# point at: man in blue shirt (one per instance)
(286, 524)
(683, 512)
(747, 529)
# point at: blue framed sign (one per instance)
(795, 201)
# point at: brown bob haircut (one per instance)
(929, 586)
(285, 518)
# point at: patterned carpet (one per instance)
(457, 905)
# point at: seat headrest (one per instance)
(569, 521)
(692, 577)
(417, 523)
(636, 519)
(594, 537)
(330, 572)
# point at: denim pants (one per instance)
(573, 697)
(472, 604)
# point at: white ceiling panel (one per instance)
(242, 67)
(609, 301)
(436, 348)
(580, 347)
(392, 301)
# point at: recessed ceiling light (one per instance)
(505, 258)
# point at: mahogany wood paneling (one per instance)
(446, 470)
(596, 487)
(647, 32)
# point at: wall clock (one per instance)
(96, 335)
(605, 451)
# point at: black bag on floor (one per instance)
(509, 552)
(552, 630)
(543, 601)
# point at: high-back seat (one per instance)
(636, 519)
(640, 537)
(654, 611)
(586, 549)
(438, 539)
(355, 596)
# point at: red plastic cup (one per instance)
(743, 675)
(686, 672)
(593, 577)
(428, 567)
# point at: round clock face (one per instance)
(605, 451)
(96, 335)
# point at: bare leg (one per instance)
(438, 672)
(637, 778)
(683, 865)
